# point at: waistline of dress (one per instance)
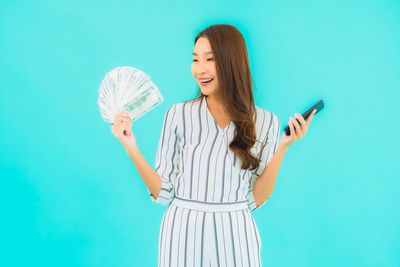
(208, 206)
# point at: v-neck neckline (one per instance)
(209, 113)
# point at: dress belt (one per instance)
(209, 206)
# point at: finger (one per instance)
(297, 126)
(118, 122)
(303, 124)
(302, 121)
(122, 119)
(309, 119)
(117, 119)
(292, 131)
(126, 119)
(127, 126)
(122, 115)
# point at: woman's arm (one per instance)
(265, 183)
(146, 172)
(159, 181)
(122, 129)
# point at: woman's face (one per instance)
(203, 67)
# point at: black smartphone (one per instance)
(319, 106)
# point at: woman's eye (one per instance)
(209, 59)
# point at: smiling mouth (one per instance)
(205, 82)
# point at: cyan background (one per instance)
(70, 196)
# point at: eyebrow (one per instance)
(209, 52)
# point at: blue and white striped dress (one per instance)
(196, 165)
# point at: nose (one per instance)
(200, 69)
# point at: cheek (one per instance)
(214, 70)
(192, 69)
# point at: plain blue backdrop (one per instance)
(69, 194)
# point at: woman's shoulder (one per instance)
(265, 122)
(179, 109)
(264, 114)
(184, 105)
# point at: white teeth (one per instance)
(205, 80)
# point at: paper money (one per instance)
(127, 89)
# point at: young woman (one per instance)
(217, 160)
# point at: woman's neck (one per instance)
(216, 105)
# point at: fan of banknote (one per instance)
(127, 89)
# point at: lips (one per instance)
(206, 81)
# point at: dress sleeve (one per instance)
(167, 158)
(268, 149)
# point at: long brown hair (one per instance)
(235, 87)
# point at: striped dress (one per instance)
(197, 167)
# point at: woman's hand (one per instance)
(122, 129)
(297, 131)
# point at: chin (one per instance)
(206, 91)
